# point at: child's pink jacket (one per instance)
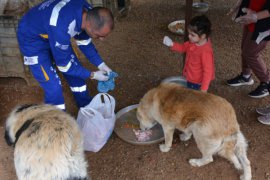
(199, 64)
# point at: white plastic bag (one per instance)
(96, 120)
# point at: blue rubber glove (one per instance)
(105, 86)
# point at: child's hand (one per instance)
(167, 41)
(205, 91)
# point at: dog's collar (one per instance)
(22, 129)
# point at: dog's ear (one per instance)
(8, 139)
(25, 106)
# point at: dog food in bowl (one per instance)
(143, 135)
(177, 27)
(127, 128)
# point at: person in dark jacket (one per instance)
(255, 17)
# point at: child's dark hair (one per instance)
(200, 25)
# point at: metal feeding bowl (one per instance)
(127, 122)
(176, 79)
(177, 27)
(200, 7)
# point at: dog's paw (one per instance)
(194, 162)
(164, 148)
(243, 177)
(184, 137)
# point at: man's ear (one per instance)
(87, 24)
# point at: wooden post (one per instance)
(188, 14)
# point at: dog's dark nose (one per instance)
(8, 139)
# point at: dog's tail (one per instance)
(241, 153)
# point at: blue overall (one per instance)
(44, 36)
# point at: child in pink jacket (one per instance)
(199, 68)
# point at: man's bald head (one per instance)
(100, 17)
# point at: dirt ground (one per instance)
(135, 51)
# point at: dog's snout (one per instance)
(142, 127)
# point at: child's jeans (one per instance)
(193, 86)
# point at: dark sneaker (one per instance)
(240, 80)
(264, 119)
(260, 91)
(263, 111)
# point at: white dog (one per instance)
(48, 144)
(16, 7)
(209, 118)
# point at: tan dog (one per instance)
(209, 118)
(48, 144)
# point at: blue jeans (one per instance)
(193, 86)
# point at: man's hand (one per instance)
(104, 67)
(167, 41)
(99, 75)
(250, 17)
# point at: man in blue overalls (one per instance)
(44, 34)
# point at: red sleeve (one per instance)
(179, 47)
(208, 69)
